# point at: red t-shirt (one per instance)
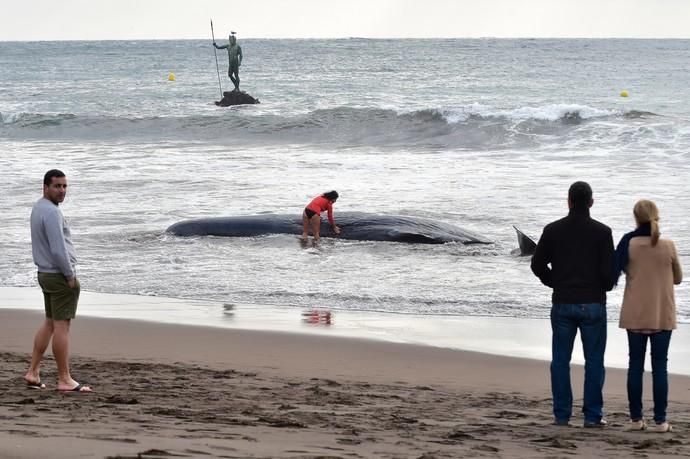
(320, 204)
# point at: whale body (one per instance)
(358, 226)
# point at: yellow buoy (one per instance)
(624, 93)
(171, 77)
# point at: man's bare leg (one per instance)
(41, 341)
(61, 354)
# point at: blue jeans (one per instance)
(566, 320)
(637, 345)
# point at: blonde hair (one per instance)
(645, 211)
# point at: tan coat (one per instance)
(649, 301)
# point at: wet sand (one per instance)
(506, 336)
(164, 390)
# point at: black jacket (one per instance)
(580, 251)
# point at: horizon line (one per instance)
(349, 38)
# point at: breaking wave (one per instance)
(470, 126)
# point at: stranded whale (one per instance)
(353, 225)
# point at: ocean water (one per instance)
(483, 134)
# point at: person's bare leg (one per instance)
(41, 341)
(61, 354)
(305, 226)
(315, 223)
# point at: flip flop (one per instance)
(35, 385)
(78, 388)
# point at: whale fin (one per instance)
(527, 245)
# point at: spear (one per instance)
(216, 54)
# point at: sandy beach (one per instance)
(164, 390)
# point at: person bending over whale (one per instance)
(311, 217)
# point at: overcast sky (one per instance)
(166, 19)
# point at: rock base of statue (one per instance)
(236, 97)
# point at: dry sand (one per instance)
(183, 391)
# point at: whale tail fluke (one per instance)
(526, 243)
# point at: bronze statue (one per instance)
(234, 59)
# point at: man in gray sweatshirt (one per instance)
(54, 255)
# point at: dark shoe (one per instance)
(35, 385)
(82, 388)
(561, 422)
(601, 423)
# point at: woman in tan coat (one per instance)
(648, 312)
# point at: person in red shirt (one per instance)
(311, 217)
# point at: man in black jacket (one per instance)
(580, 251)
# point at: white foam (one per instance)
(9, 118)
(549, 112)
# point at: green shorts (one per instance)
(60, 300)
